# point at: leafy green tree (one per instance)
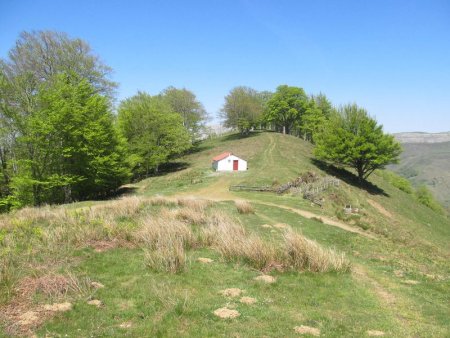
(33, 67)
(154, 133)
(352, 138)
(323, 104)
(42, 54)
(286, 108)
(243, 109)
(313, 120)
(185, 103)
(77, 151)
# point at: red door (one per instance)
(235, 164)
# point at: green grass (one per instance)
(427, 164)
(410, 238)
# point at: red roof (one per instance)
(221, 156)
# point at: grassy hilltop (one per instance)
(163, 260)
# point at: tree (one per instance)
(243, 109)
(77, 153)
(286, 107)
(352, 138)
(323, 104)
(43, 54)
(313, 120)
(34, 66)
(184, 102)
(154, 133)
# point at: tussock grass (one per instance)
(233, 242)
(165, 235)
(165, 239)
(161, 200)
(192, 216)
(194, 203)
(244, 207)
(302, 253)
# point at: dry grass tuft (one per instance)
(244, 207)
(194, 203)
(305, 254)
(164, 241)
(161, 200)
(192, 216)
(233, 243)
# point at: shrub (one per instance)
(425, 197)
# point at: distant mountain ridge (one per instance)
(422, 137)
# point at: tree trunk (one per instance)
(284, 129)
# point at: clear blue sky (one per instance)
(391, 57)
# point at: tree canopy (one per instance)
(58, 140)
(352, 138)
(243, 109)
(185, 103)
(286, 107)
(153, 131)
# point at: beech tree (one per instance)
(49, 76)
(352, 138)
(286, 107)
(153, 131)
(313, 120)
(243, 109)
(185, 103)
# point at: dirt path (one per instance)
(379, 208)
(218, 191)
(325, 219)
(360, 273)
(388, 299)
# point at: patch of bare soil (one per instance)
(375, 333)
(273, 266)
(226, 313)
(248, 300)
(411, 282)
(266, 226)
(126, 325)
(21, 316)
(205, 260)
(280, 226)
(399, 273)
(303, 329)
(97, 285)
(95, 302)
(101, 246)
(266, 279)
(232, 292)
(379, 208)
(58, 307)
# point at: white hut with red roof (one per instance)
(228, 162)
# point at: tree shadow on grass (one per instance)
(349, 178)
(239, 136)
(198, 147)
(170, 167)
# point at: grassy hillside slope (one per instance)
(398, 284)
(428, 164)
